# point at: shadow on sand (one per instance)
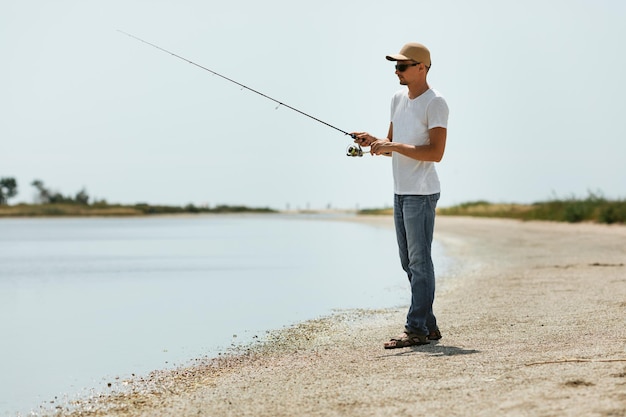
(432, 349)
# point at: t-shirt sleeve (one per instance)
(437, 113)
(394, 104)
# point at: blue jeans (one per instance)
(414, 217)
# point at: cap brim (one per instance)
(397, 57)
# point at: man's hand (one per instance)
(363, 138)
(381, 147)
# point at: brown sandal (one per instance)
(406, 339)
(434, 335)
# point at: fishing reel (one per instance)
(354, 150)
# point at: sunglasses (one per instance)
(404, 67)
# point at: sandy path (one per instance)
(534, 324)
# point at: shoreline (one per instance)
(532, 319)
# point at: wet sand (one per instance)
(533, 316)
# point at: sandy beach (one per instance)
(533, 316)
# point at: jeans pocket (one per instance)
(432, 200)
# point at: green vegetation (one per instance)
(104, 209)
(594, 208)
(51, 203)
(8, 189)
(372, 211)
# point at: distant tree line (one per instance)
(8, 189)
(49, 202)
(47, 196)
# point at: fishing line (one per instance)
(280, 103)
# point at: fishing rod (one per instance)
(353, 150)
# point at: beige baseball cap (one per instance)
(412, 51)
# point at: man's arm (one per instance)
(432, 152)
(365, 139)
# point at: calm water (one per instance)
(83, 301)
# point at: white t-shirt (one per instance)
(411, 121)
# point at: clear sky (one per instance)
(535, 88)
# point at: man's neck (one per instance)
(417, 89)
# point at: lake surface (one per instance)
(86, 300)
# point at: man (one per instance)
(416, 140)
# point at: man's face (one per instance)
(406, 71)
